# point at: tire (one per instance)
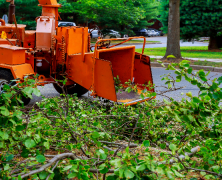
(5, 78)
(71, 89)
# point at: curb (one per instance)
(195, 67)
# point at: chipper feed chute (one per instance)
(127, 65)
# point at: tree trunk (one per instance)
(215, 42)
(173, 37)
(75, 18)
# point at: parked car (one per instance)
(154, 33)
(94, 33)
(113, 34)
(65, 24)
(150, 33)
(159, 31)
(141, 32)
(110, 33)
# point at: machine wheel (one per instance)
(71, 89)
(5, 78)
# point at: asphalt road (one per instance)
(163, 40)
(49, 91)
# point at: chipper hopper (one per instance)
(56, 53)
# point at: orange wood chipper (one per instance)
(64, 52)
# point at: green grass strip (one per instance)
(187, 51)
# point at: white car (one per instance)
(115, 34)
(94, 33)
(153, 33)
(64, 24)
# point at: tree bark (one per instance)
(215, 42)
(212, 43)
(173, 37)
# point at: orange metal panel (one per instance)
(29, 59)
(74, 40)
(11, 31)
(48, 11)
(19, 71)
(142, 70)
(79, 71)
(104, 83)
(48, 2)
(29, 39)
(12, 54)
(4, 41)
(122, 59)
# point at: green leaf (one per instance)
(95, 135)
(20, 127)
(173, 147)
(103, 169)
(37, 92)
(196, 100)
(169, 175)
(142, 96)
(141, 167)
(6, 167)
(40, 158)
(189, 71)
(178, 174)
(128, 174)
(4, 111)
(170, 56)
(203, 173)
(43, 175)
(146, 143)
(116, 163)
(28, 90)
(46, 144)
(9, 157)
(67, 168)
(4, 135)
(72, 175)
(29, 143)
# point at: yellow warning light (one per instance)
(4, 35)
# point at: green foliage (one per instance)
(111, 14)
(200, 18)
(87, 139)
(26, 11)
(186, 51)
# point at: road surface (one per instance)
(163, 40)
(49, 91)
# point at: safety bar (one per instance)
(2, 22)
(116, 39)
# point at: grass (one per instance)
(130, 42)
(189, 52)
(207, 63)
(192, 62)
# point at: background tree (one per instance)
(111, 14)
(26, 11)
(200, 18)
(173, 38)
